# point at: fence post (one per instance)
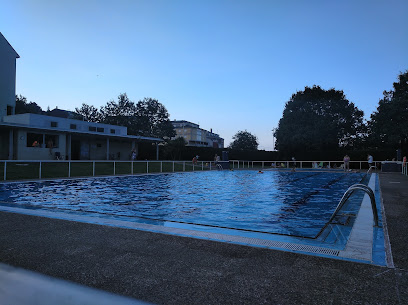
(147, 167)
(173, 166)
(93, 168)
(114, 168)
(132, 167)
(5, 170)
(202, 165)
(69, 169)
(39, 174)
(184, 166)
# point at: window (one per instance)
(100, 129)
(72, 126)
(91, 128)
(9, 110)
(113, 131)
(51, 141)
(54, 124)
(34, 139)
(42, 140)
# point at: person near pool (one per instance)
(346, 161)
(370, 160)
(133, 154)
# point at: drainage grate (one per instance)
(256, 242)
(250, 241)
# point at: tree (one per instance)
(153, 119)
(87, 113)
(23, 107)
(388, 126)
(174, 148)
(122, 113)
(317, 119)
(244, 140)
(147, 118)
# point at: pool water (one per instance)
(287, 203)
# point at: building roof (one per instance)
(63, 130)
(2, 37)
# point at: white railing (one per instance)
(40, 169)
(242, 164)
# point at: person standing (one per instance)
(133, 155)
(370, 160)
(346, 161)
(293, 162)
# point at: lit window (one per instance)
(34, 139)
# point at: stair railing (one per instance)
(344, 199)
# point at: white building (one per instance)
(40, 137)
(196, 136)
(8, 58)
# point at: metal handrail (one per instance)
(371, 167)
(344, 199)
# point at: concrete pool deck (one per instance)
(166, 269)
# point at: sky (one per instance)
(227, 65)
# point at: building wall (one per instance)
(7, 77)
(44, 121)
(25, 151)
(118, 149)
(195, 136)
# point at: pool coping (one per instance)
(358, 248)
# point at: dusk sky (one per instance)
(226, 65)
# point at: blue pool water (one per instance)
(289, 203)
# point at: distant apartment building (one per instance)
(196, 136)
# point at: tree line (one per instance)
(324, 120)
(313, 120)
(147, 117)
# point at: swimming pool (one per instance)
(284, 204)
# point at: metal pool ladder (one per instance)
(346, 196)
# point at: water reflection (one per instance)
(277, 202)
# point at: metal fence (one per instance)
(240, 164)
(41, 169)
(49, 169)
